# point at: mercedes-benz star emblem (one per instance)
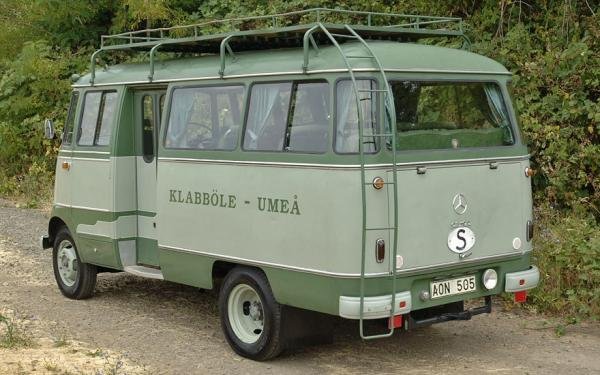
(459, 203)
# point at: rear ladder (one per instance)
(390, 114)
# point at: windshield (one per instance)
(450, 115)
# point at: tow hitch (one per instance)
(445, 313)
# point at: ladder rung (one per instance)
(359, 56)
(378, 135)
(382, 228)
(385, 183)
(344, 36)
(365, 90)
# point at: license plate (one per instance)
(452, 287)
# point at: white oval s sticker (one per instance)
(461, 240)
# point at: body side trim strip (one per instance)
(341, 166)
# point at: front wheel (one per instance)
(76, 280)
(250, 316)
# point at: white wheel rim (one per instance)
(245, 313)
(68, 266)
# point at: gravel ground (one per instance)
(163, 327)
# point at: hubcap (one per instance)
(245, 313)
(68, 267)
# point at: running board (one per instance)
(142, 271)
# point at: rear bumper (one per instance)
(523, 280)
(375, 307)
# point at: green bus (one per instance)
(302, 168)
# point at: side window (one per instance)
(108, 105)
(97, 118)
(70, 122)
(290, 116)
(205, 118)
(89, 119)
(267, 116)
(347, 136)
(148, 128)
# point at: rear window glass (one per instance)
(450, 115)
(205, 118)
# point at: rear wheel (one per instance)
(76, 280)
(250, 316)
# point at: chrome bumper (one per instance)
(375, 307)
(524, 280)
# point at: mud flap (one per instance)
(303, 327)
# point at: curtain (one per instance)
(496, 104)
(181, 110)
(262, 100)
(346, 102)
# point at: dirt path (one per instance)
(161, 327)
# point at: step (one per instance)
(151, 273)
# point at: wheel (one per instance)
(76, 280)
(250, 316)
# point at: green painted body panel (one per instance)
(188, 269)
(147, 251)
(321, 293)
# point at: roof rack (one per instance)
(282, 30)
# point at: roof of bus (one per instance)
(409, 57)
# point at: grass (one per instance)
(13, 337)
(60, 342)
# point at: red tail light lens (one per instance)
(521, 297)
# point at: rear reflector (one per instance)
(521, 297)
(379, 250)
(395, 322)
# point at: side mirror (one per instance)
(49, 129)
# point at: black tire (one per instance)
(271, 342)
(85, 279)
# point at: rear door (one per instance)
(461, 212)
(147, 114)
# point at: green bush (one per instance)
(567, 250)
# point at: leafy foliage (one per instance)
(552, 47)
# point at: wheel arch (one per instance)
(54, 226)
(221, 268)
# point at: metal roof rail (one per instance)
(282, 30)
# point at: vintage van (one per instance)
(298, 165)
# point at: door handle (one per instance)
(66, 165)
